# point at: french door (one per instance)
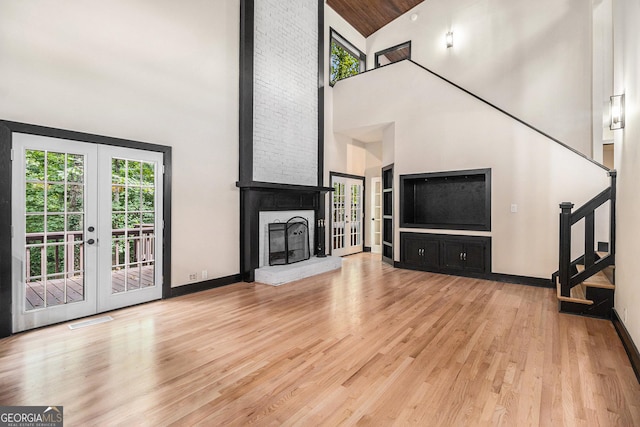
(87, 223)
(347, 215)
(376, 215)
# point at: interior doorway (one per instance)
(347, 214)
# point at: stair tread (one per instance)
(577, 295)
(602, 254)
(598, 280)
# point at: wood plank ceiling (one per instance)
(368, 16)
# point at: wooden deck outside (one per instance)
(75, 287)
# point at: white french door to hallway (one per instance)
(87, 221)
(347, 214)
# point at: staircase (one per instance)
(585, 285)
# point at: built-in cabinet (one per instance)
(454, 200)
(445, 253)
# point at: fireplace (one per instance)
(266, 218)
(289, 241)
(264, 203)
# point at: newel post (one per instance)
(612, 215)
(565, 248)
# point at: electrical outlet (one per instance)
(205, 274)
(514, 208)
(193, 276)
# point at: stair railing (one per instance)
(592, 264)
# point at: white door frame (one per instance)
(376, 207)
(23, 318)
(107, 299)
(9, 264)
(347, 249)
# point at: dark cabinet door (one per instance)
(475, 256)
(431, 253)
(421, 251)
(446, 253)
(412, 250)
(453, 254)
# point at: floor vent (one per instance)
(91, 322)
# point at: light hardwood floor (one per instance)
(367, 345)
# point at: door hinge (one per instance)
(162, 169)
(12, 154)
(12, 226)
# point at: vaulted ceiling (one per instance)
(368, 16)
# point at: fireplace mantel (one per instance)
(258, 185)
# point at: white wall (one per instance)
(341, 153)
(337, 146)
(285, 109)
(158, 71)
(439, 128)
(602, 64)
(627, 160)
(532, 59)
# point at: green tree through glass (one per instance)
(343, 63)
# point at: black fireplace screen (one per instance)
(289, 241)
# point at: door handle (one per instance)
(91, 229)
(460, 256)
(90, 242)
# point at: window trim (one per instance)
(349, 47)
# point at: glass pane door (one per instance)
(54, 217)
(376, 215)
(133, 228)
(132, 225)
(87, 224)
(51, 215)
(347, 215)
(339, 216)
(356, 214)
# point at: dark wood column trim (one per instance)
(321, 59)
(5, 232)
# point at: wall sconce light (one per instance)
(616, 106)
(449, 39)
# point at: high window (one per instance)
(345, 59)
(393, 54)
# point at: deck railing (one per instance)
(129, 246)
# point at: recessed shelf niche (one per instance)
(455, 200)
